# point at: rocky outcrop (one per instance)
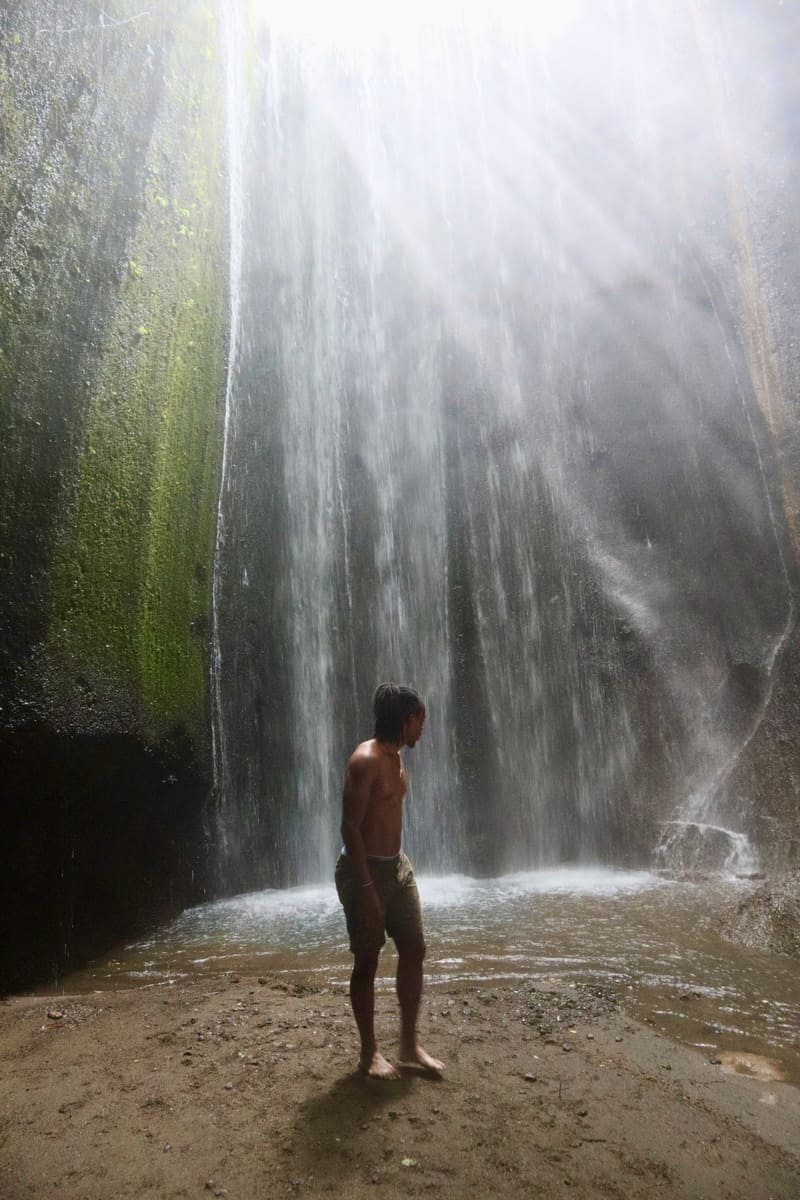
(765, 783)
(769, 918)
(112, 352)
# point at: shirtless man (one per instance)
(375, 880)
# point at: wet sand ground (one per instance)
(229, 1086)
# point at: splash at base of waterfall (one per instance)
(699, 848)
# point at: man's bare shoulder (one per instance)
(365, 757)
(363, 770)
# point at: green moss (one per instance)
(72, 127)
(132, 594)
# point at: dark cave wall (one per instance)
(112, 358)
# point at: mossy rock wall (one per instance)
(113, 301)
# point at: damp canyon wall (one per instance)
(113, 311)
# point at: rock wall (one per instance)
(762, 184)
(112, 358)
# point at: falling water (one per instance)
(697, 847)
(493, 434)
(235, 113)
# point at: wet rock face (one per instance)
(102, 836)
(112, 343)
(765, 783)
(769, 919)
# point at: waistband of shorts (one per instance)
(378, 859)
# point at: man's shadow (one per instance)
(340, 1131)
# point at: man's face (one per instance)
(412, 727)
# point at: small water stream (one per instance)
(652, 940)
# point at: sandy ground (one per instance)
(229, 1086)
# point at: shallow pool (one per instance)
(651, 939)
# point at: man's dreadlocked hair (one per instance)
(391, 704)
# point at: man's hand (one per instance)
(372, 909)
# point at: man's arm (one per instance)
(358, 781)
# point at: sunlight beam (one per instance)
(360, 24)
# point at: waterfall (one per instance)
(491, 433)
(235, 114)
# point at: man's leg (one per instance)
(362, 998)
(410, 957)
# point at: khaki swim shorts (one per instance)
(397, 890)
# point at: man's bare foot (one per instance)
(377, 1067)
(415, 1056)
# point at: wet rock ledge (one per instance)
(769, 918)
